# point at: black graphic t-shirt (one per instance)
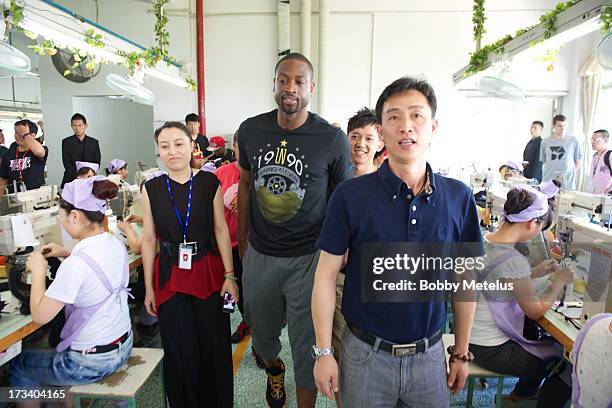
(292, 175)
(26, 165)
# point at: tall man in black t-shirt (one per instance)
(78, 147)
(24, 162)
(290, 160)
(531, 155)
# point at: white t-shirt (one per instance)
(484, 329)
(75, 283)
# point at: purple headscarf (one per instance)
(80, 164)
(538, 208)
(79, 194)
(115, 165)
(513, 165)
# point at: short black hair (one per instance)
(405, 84)
(297, 57)
(539, 123)
(559, 118)
(84, 170)
(32, 127)
(192, 117)
(518, 200)
(170, 125)
(604, 133)
(364, 117)
(78, 116)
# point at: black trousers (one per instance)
(198, 354)
(511, 359)
(238, 273)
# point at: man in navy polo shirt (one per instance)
(403, 202)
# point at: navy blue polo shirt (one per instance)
(379, 207)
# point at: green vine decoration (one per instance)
(81, 58)
(162, 36)
(94, 39)
(478, 19)
(606, 19)
(478, 60)
(46, 47)
(549, 19)
(191, 83)
(13, 15)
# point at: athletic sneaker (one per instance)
(241, 332)
(275, 391)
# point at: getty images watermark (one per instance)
(425, 272)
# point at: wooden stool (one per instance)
(126, 382)
(475, 372)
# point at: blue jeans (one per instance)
(371, 378)
(33, 368)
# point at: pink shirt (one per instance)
(600, 178)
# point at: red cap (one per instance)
(216, 142)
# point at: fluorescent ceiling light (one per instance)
(166, 77)
(575, 22)
(64, 39)
(21, 115)
(64, 27)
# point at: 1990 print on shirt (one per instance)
(291, 173)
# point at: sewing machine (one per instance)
(482, 180)
(593, 207)
(513, 181)
(126, 202)
(587, 247)
(142, 175)
(28, 201)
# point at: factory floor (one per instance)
(250, 382)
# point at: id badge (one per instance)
(185, 254)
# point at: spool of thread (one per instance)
(580, 286)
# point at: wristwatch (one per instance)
(317, 353)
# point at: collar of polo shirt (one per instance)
(393, 184)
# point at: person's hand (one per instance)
(54, 251)
(36, 263)
(565, 276)
(124, 226)
(457, 374)
(134, 218)
(545, 268)
(149, 302)
(230, 287)
(326, 376)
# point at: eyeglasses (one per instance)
(596, 139)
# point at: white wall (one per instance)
(371, 43)
(127, 137)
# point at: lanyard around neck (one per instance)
(20, 164)
(176, 210)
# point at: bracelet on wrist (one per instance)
(230, 276)
(454, 355)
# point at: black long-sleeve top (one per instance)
(74, 150)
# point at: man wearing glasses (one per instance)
(24, 163)
(600, 176)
